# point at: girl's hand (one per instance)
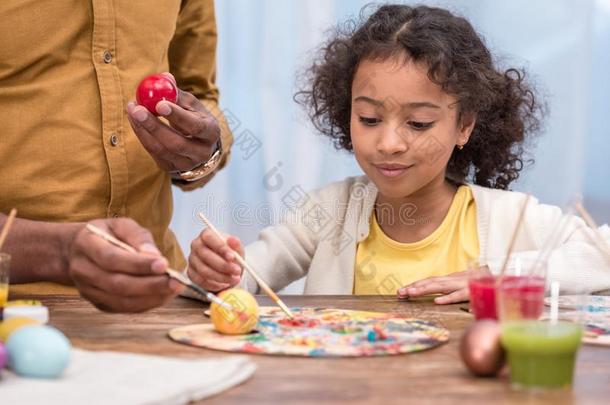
(453, 286)
(212, 263)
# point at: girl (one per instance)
(438, 131)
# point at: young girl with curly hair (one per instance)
(439, 131)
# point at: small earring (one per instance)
(460, 147)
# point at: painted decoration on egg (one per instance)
(320, 332)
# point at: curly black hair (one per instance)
(458, 60)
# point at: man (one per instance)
(74, 148)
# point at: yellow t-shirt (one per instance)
(384, 265)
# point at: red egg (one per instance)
(155, 88)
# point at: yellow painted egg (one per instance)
(239, 321)
(11, 325)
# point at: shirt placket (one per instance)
(104, 57)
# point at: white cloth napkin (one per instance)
(123, 378)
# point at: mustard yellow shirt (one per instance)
(67, 70)
(382, 262)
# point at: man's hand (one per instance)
(114, 279)
(454, 286)
(187, 142)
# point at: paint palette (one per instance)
(597, 334)
(591, 310)
(588, 303)
(320, 332)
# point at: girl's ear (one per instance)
(466, 126)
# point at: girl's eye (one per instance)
(369, 121)
(420, 126)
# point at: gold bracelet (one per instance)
(205, 168)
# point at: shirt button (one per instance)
(114, 140)
(107, 57)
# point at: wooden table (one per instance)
(435, 376)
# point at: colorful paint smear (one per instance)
(320, 332)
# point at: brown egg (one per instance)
(481, 349)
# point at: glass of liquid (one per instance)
(5, 264)
(541, 353)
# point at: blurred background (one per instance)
(264, 44)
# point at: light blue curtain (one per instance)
(564, 44)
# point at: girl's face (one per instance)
(403, 126)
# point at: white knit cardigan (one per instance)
(319, 239)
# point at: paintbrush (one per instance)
(250, 270)
(552, 241)
(181, 278)
(599, 240)
(511, 245)
(7, 226)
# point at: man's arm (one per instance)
(192, 60)
(38, 250)
(111, 278)
(194, 124)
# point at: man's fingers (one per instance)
(111, 303)
(116, 292)
(129, 231)
(118, 279)
(120, 284)
(202, 126)
(170, 77)
(112, 258)
(170, 138)
(109, 257)
(164, 158)
(189, 102)
(165, 143)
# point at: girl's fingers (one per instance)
(207, 242)
(217, 263)
(235, 244)
(460, 295)
(205, 281)
(211, 240)
(210, 285)
(456, 282)
(205, 272)
(218, 245)
(436, 285)
(423, 282)
(212, 263)
(414, 289)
